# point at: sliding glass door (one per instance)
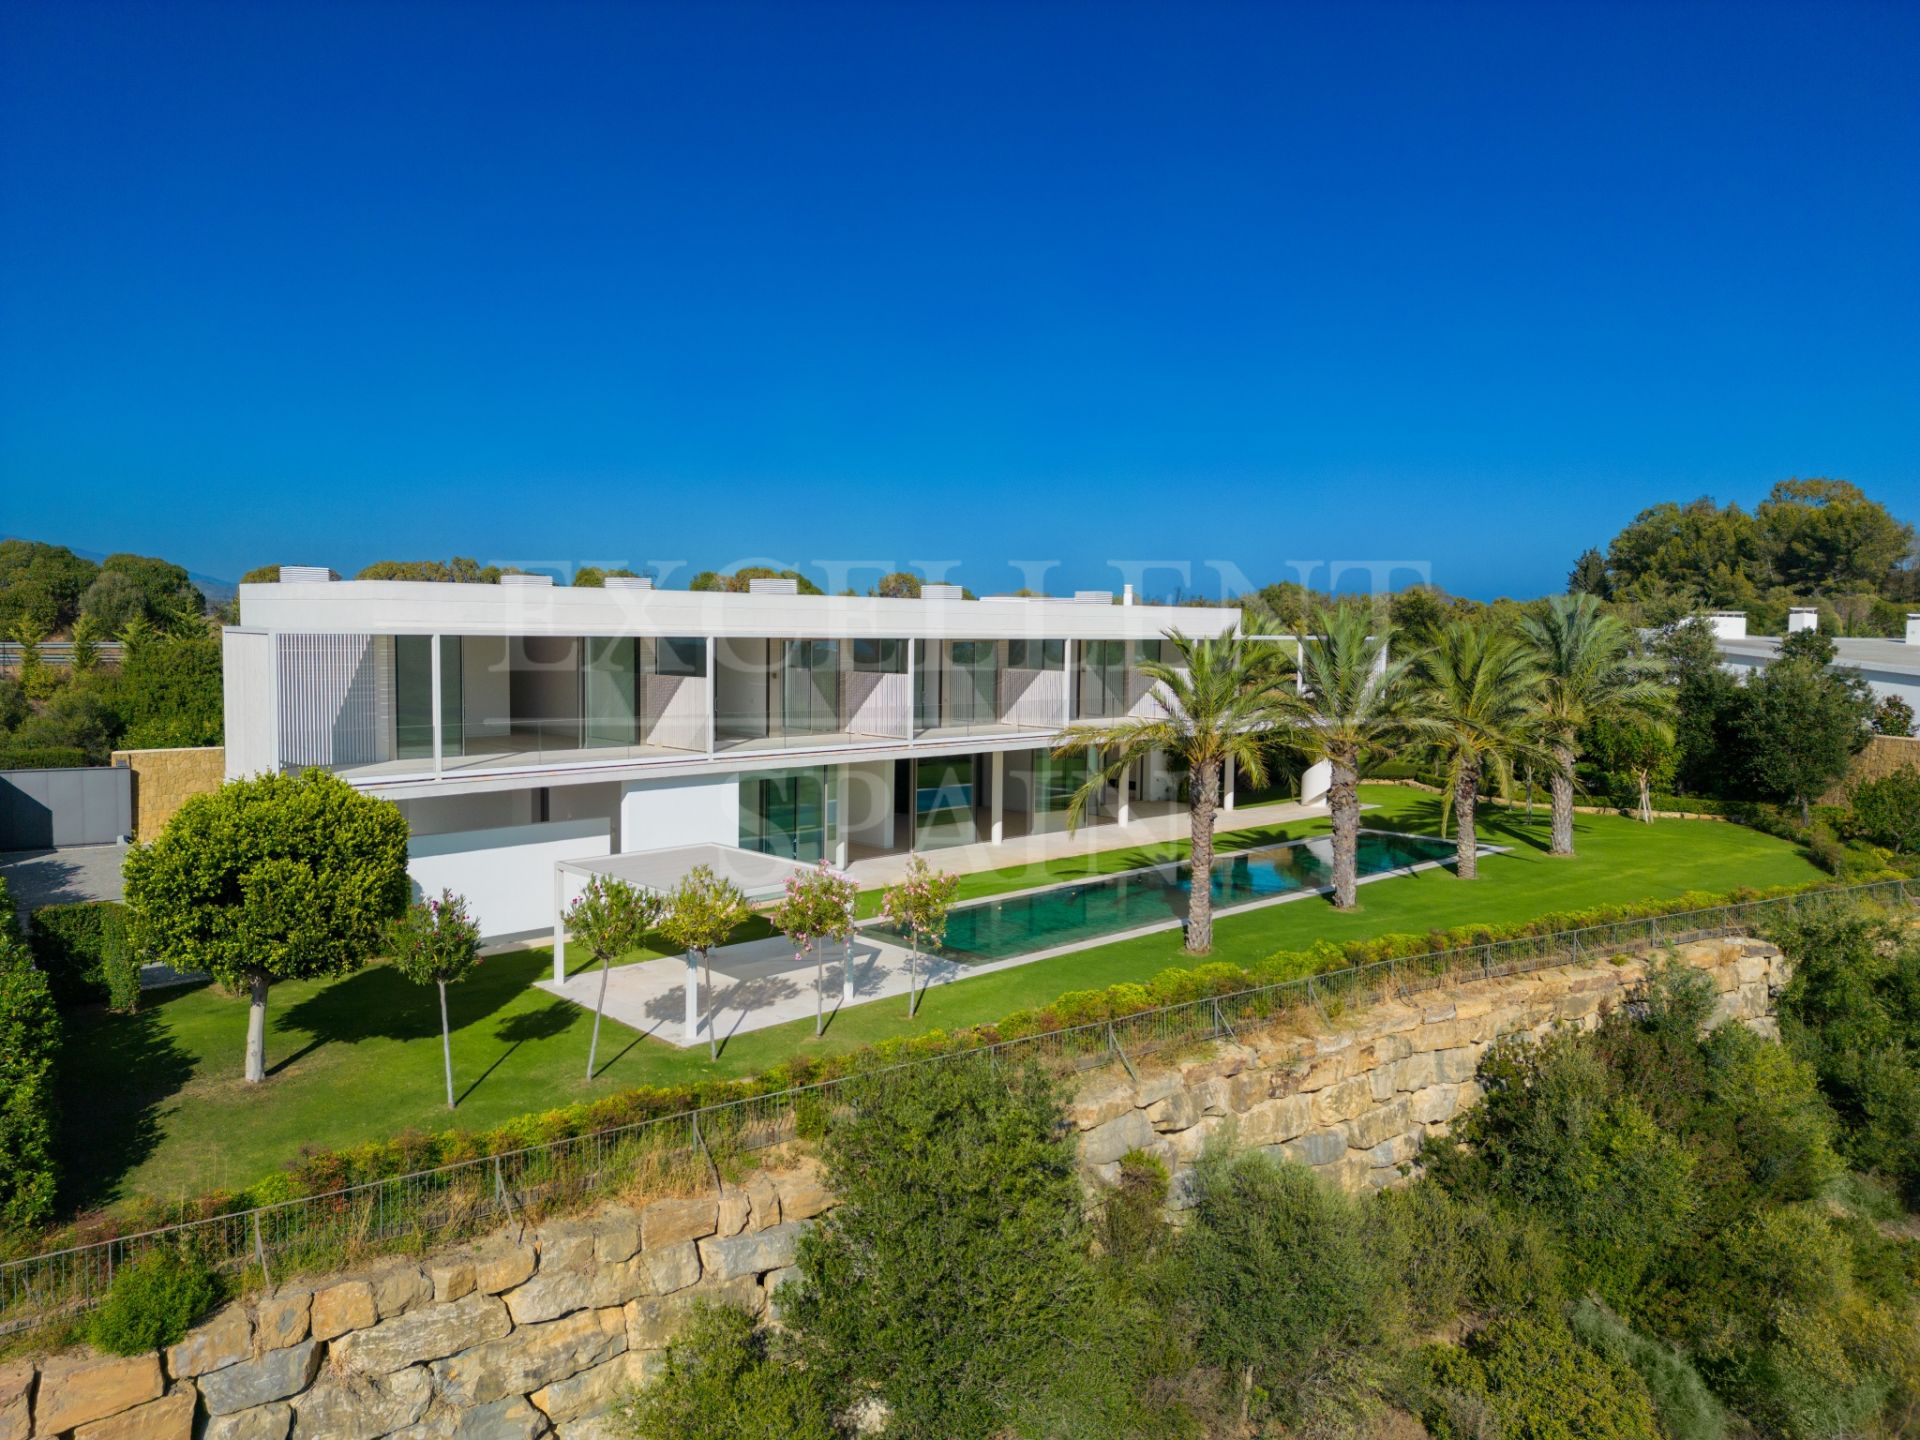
(787, 813)
(810, 687)
(608, 685)
(413, 696)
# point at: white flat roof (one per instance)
(760, 877)
(414, 607)
(1893, 656)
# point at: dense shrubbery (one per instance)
(29, 1042)
(153, 1302)
(85, 954)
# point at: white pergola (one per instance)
(760, 878)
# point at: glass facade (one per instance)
(413, 697)
(810, 687)
(1036, 654)
(790, 813)
(943, 801)
(608, 692)
(971, 696)
(1103, 679)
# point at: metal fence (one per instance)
(412, 1212)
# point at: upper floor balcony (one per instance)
(409, 707)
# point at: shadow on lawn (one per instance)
(378, 1003)
(548, 1021)
(108, 1130)
(1495, 823)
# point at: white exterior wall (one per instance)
(868, 818)
(506, 873)
(250, 681)
(451, 814)
(657, 813)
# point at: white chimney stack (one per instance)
(1728, 624)
(1802, 617)
(1126, 594)
(1913, 628)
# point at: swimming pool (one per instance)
(1014, 925)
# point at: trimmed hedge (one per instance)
(42, 757)
(29, 1040)
(85, 954)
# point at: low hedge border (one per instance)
(322, 1172)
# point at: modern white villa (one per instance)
(524, 724)
(1890, 667)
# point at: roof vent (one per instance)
(1728, 624)
(1802, 617)
(942, 592)
(305, 575)
(628, 582)
(1093, 597)
(1913, 627)
(527, 581)
(772, 586)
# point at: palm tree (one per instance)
(1480, 686)
(1588, 672)
(1216, 702)
(1355, 703)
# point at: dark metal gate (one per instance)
(41, 809)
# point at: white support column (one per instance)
(997, 797)
(713, 692)
(433, 671)
(839, 813)
(1226, 785)
(559, 924)
(913, 689)
(693, 998)
(1126, 796)
(1067, 688)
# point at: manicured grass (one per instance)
(154, 1104)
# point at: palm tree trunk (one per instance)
(257, 1027)
(1203, 800)
(1562, 782)
(446, 1042)
(1343, 799)
(1466, 848)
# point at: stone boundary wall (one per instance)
(1883, 756)
(164, 780)
(534, 1332)
(1356, 1099)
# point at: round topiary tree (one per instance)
(609, 917)
(277, 877)
(436, 942)
(817, 906)
(919, 905)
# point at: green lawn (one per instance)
(154, 1104)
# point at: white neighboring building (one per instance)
(523, 723)
(1890, 667)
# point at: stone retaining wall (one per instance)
(1356, 1099)
(533, 1333)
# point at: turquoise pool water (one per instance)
(1014, 925)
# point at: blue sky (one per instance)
(1465, 285)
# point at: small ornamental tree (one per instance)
(609, 917)
(436, 942)
(919, 906)
(1887, 811)
(818, 906)
(703, 911)
(1892, 716)
(278, 877)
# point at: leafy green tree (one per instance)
(701, 912)
(1589, 575)
(899, 585)
(130, 585)
(1799, 725)
(171, 691)
(1827, 535)
(1217, 699)
(1892, 716)
(1356, 702)
(1479, 688)
(42, 584)
(1535, 1381)
(953, 1278)
(609, 917)
(1296, 1301)
(1887, 811)
(918, 903)
(436, 942)
(85, 653)
(1706, 701)
(726, 1379)
(1707, 554)
(29, 1045)
(817, 906)
(458, 571)
(1640, 750)
(277, 877)
(1588, 673)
